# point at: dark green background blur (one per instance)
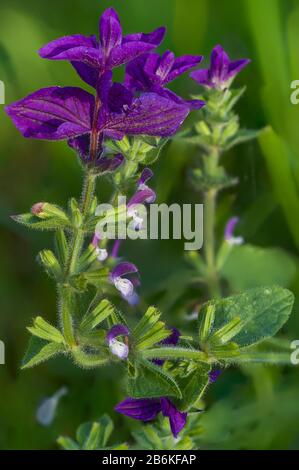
(267, 198)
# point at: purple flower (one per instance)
(85, 120)
(71, 113)
(221, 72)
(123, 284)
(116, 347)
(151, 72)
(229, 232)
(102, 253)
(143, 195)
(213, 375)
(91, 58)
(146, 409)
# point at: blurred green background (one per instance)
(267, 200)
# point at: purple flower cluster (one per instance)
(140, 106)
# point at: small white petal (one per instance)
(137, 220)
(119, 349)
(142, 187)
(102, 254)
(124, 286)
(235, 241)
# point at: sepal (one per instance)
(40, 351)
(50, 263)
(44, 330)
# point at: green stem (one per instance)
(66, 307)
(210, 199)
(66, 291)
(174, 353)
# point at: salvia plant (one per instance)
(117, 132)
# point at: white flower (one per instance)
(124, 286)
(119, 349)
(102, 254)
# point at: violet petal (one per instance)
(123, 269)
(177, 419)
(142, 409)
(53, 113)
(117, 330)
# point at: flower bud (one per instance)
(37, 209)
(44, 210)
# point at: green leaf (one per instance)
(152, 382)
(93, 436)
(31, 221)
(149, 330)
(227, 332)
(223, 352)
(67, 443)
(150, 318)
(40, 351)
(148, 438)
(193, 386)
(93, 278)
(42, 329)
(278, 155)
(87, 258)
(61, 246)
(206, 322)
(96, 316)
(51, 264)
(242, 136)
(264, 266)
(156, 334)
(234, 96)
(262, 311)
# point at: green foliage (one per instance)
(42, 329)
(193, 385)
(40, 351)
(247, 318)
(92, 436)
(152, 381)
(264, 266)
(243, 420)
(150, 330)
(97, 315)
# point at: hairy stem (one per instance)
(65, 291)
(210, 200)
